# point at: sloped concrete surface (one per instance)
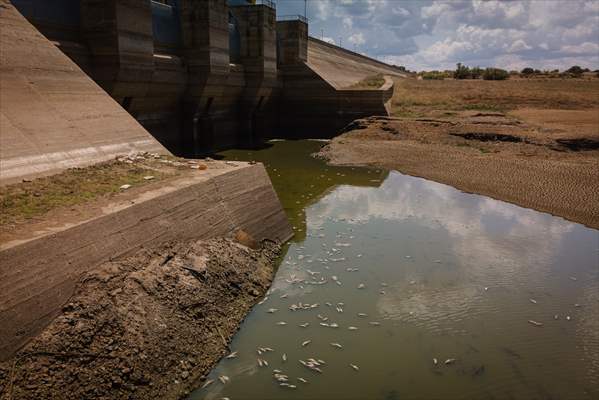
(52, 115)
(342, 68)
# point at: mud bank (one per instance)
(486, 153)
(148, 326)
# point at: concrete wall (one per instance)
(53, 116)
(314, 101)
(38, 276)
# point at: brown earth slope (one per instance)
(149, 326)
(505, 140)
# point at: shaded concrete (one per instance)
(53, 116)
(38, 275)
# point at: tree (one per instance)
(575, 70)
(461, 72)
(527, 71)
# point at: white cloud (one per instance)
(427, 34)
(357, 39)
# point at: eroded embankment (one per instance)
(145, 327)
(485, 153)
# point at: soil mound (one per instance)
(147, 326)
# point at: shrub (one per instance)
(527, 71)
(495, 74)
(433, 75)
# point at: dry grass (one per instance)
(33, 199)
(370, 82)
(417, 98)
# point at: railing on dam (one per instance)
(166, 24)
(296, 17)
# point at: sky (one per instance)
(430, 34)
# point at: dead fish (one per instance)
(573, 278)
(302, 380)
(284, 296)
(276, 371)
(533, 301)
(352, 328)
(382, 292)
(321, 362)
(306, 342)
(437, 261)
(576, 305)
(328, 304)
(125, 187)
(535, 323)
(281, 323)
(284, 357)
(556, 317)
(355, 367)
(207, 383)
(449, 361)
(223, 379)
(259, 352)
(232, 355)
(263, 300)
(412, 282)
(361, 286)
(374, 323)
(259, 362)
(435, 361)
(337, 345)
(486, 288)
(362, 315)
(272, 310)
(568, 318)
(304, 325)
(333, 325)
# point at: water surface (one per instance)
(440, 274)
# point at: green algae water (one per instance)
(396, 287)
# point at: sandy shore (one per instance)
(145, 327)
(549, 168)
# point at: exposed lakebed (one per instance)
(400, 272)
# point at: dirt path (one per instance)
(146, 327)
(544, 168)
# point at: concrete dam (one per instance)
(201, 75)
(83, 82)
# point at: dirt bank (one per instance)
(145, 327)
(545, 167)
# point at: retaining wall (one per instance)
(38, 276)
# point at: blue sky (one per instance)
(428, 34)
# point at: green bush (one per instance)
(433, 75)
(495, 74)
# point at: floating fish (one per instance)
(382, 292)
(556, 317)
(304, 325)
(208, 383)
(281, 323)
(284, 357)
(435, 361)
(361, 286)
(306, 342)
(374, 323)
(232, 355)
(284, 296)
(302, 380)
(352, 328)
(533, 301)
(535, 323)
(272, 310)
(573, 278)
(337, 345)
(223, 379)
(355, 367)
(449, 361)
(568, 318)
(362, 315)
